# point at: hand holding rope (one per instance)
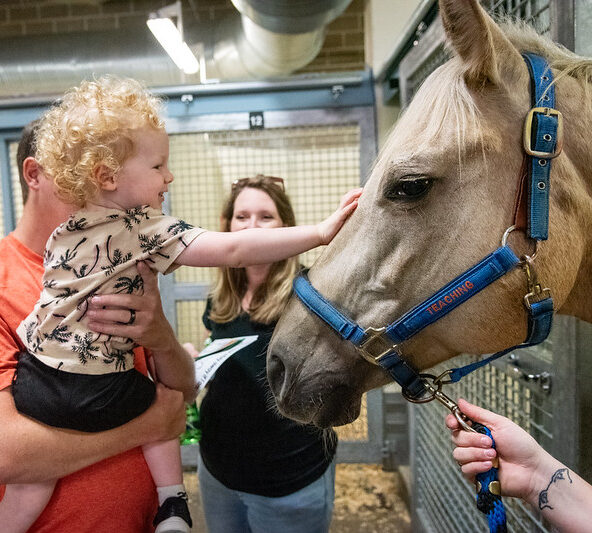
(489, 500)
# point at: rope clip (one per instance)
(434, 390)
(535, 292)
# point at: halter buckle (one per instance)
(376, 345)
(527, 134)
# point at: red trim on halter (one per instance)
(520, 202)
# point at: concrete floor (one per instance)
(367, 500)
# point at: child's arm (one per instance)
(259, 246)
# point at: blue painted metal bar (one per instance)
(355, 89)
(5, 177)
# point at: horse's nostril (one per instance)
(276, 373)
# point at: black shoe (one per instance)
(173, 516)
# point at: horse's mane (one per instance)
(525, 38)
(447, 99)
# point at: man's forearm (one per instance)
(31, 451)
(175, 368)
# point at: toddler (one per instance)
(105, 147)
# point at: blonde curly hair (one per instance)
(93, 125)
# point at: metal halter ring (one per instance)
(430, 389)
(435, 393)
(507, 234)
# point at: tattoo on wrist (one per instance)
(562, 473)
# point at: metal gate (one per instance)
(540, 388)
(320, 154)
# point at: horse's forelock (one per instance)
(443, 113)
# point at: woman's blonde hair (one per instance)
(93, 125)
(271, 297)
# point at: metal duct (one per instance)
(50, 64)
(277, 37)
(270, 38)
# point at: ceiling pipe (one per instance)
(266, 39)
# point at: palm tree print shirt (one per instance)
(95, 252)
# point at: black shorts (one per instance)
(84, 402)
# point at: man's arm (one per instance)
(150, 329)
(31, 451)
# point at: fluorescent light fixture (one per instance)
(171, 39)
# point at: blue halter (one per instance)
(543, 133)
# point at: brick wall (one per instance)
(343, 48)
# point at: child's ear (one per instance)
(105, 178)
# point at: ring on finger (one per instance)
(132, 317)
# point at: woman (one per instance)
(259, 472)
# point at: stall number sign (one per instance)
(256, 120)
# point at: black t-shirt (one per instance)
(246, 444)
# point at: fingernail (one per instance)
(486, 441)
(490, 453)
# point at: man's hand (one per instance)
(111, 314)
(141, 318)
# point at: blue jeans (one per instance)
(308, 510)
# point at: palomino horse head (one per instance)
(439, 199)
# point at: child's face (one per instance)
(144, 177)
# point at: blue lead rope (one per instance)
(489, 500)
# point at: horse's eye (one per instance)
(408, 189)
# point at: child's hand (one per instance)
(329, 227)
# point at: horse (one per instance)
(440, 196)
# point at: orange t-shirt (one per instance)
(116, 494)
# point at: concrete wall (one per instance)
(583, 28)
(385, 21)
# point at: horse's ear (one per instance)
(479, 42)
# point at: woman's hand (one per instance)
(190, 349)
(519, 454)
(329, 227)
(139, 317)
(526, 470)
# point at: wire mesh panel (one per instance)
(318, 165)
(535, 12)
